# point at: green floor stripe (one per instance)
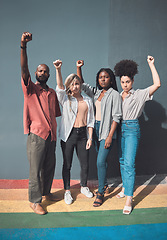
(83, 219)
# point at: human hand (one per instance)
(88, 144)
(26, 37)
(108, 142)
(150, 59)
(57, 64)
(80, 63)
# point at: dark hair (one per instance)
(126, 68)
(112, 78)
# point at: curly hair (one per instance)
(112, 78)
(126, 68)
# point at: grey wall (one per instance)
(100, 32)
(69, 30)
(137, 29)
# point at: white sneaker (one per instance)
(67, 197)
(86, 192)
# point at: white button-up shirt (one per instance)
(69, 113)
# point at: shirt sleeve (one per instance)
(27, 89)
(117, 107)
(61, 95)
(142, 95)
(88, 90)
(91, 120)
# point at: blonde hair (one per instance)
(68, 82)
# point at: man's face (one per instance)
(42, 73)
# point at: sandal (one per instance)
(120, 195)
(99, 200)
(106, 189)
(128, 209)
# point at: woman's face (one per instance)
(104, 80)
(75, 87)
(126, 83)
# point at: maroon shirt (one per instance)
(41, 108)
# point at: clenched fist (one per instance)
(26, 37)
(57, 64)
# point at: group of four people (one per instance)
(102, 110)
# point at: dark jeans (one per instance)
(77, 140)
(41, 156)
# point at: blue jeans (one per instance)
(129, 141)
(101, 159)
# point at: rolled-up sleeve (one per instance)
(117, 108)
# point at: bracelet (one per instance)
(90, 139)
(23, 47)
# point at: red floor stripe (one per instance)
(23, 184)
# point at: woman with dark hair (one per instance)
(132, 107)
(107, 102)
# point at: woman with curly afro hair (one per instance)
(108, 113)
(132, 106)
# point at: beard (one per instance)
(44, 80)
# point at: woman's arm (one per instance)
(89, 141)
(79, 64)
(108, 140)
(58, 64)
(85, 87)
(155, 76)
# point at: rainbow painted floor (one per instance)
(81, 220)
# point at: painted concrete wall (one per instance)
(137, 29)
(101, 33)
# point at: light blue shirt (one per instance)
(69, 113)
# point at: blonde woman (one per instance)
(76, 128)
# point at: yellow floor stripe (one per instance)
(15, 200)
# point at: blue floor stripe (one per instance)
(137, 232)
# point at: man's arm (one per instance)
(79, 64)
(26, 37)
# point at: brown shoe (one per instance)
(51, 197)
(37, 208)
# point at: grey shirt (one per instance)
(110, 108)
(134, 102)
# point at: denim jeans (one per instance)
(101, 158)
(77, 140)
(129, 141)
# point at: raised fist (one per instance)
(150, 59)
(80, 63)
(26, 37)
(57, 63)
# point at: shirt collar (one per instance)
(40, 88)
(129, 93)
(107, 92)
